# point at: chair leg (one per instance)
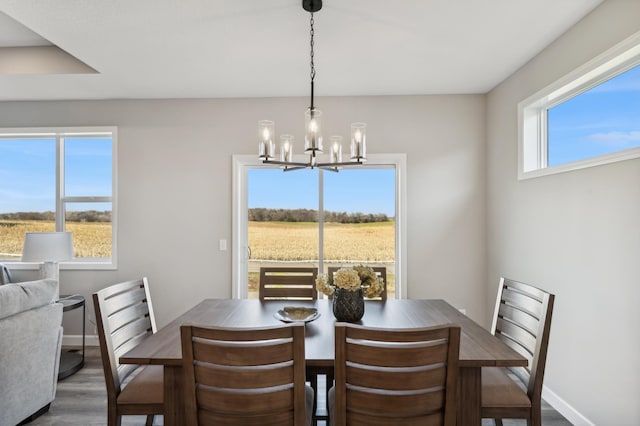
(113, 419)
(535, 421)
(498, 422)
(149, 420)
(535, 418)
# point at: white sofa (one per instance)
(30, 341)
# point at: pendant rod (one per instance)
(311, 97)
(312, 65)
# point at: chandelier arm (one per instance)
(330, 169)
(290, 169)
(343, 164)
(286, 163)
(325, 166)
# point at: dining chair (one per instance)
(522, 320)
(291, 283)
(395, 376)
(124, 317)
(285, 283)
(249, 376)
(380, 271)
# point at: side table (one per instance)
(70, 360)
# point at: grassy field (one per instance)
(90, 239)
(279, 241)
(367, 242)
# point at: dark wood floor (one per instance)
(81, 401)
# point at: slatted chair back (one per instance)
(284, 283)
(380, 271)
(251, 376)
(396, 376)
(522, 320)
(124, 316)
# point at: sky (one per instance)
(358, 189)
(600, 121)
(28, 173)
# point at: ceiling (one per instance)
(257, 48)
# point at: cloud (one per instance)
(616, 138)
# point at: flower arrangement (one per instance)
(352, 279)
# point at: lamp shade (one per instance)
(47, 247)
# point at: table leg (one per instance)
(173, 396)
(313, 380)
(469, 396)
(312, 376)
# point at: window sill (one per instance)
(582, 164)
(93, 265)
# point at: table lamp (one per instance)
(48, 248)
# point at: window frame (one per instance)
(59, 134)
(241, 165)
(532, 112)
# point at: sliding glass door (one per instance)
(358, 223)
(320, 219)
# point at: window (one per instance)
(587, 118)
(59, 180)
(319, 219)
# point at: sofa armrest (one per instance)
(29, 361)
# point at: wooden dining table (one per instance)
(478, 347)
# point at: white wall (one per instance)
(574, 234)
(174, 161)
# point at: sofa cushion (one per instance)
(19, 297)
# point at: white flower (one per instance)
(354, 278)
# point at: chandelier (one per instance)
(313, 131)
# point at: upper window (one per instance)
(59, 180)
(588, 118)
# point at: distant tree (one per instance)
(261, 214)
(72, 216)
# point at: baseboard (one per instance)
(76, 340)
(562, 407)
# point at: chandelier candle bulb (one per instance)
(286, 148)
(336, 149)
(313, 130)
(266, 146)
(358, 141)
